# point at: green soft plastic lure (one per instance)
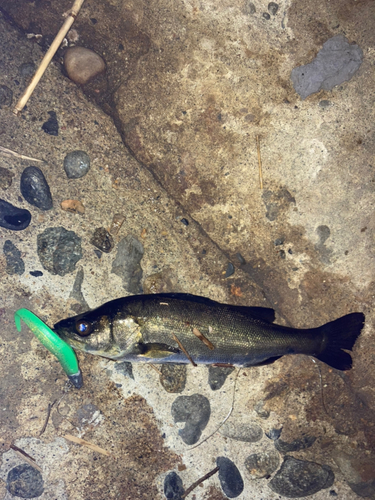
(63, 352)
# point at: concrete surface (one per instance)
(171, 132)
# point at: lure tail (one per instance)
(339, 335)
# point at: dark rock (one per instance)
(102, 239)
(127, 263)
(274, 434)
(324, 103)
(27, 69)
(76, 164)
(273, 8)
(125, 368)
(230, 270)
(335, 63)
(230, 478)
(217, 376)
(279, 241)
(6, 96)
(248, 433)
(249, 8)
(324, 233)
(173, 377)
(365, 489)
(266, 16)
(12, 217)
(15, 265)
(173, 487)
(282, 254)
(240, 259)
(261, 465)
(34, 188)
(333, 493)
(51, 126)
(76, 292)
(25, 481)
(59, 250)
(195, 411)
(259, 409)
(98, 253)
(6, 177)
(185, 222)
(36, 274)
(299, 478)
(295, 445)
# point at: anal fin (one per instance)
(156, 350)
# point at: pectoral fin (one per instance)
(156, 351)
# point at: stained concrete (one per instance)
(171, 130)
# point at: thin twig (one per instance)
(26, 457)
(260, 164)
(9, 152)
(184, 350)
(48, 56)
(83, 442)
(226, 418)
(197, 483)
(156, 369)
(201, 337)
(50, 406)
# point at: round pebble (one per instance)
(6, 96)
(102, 239)
(6, 177)
(266, 16)
(248, 433)
(83, 64)
(195, 410)
(173, 487)
(273, 8)
(76, 164)
(173, 377)
(230, 477)
(25, 481)
(261, 465)
(59, 250)
(34, 188)
(15, 265)
(12, 217)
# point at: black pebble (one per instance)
(98, 253)
(273, 8)
(36, 274)
(25, 481)
(51, 126)
(195, 410)
(125, 368)
(282, 254)
(230, 270)
(217, 376)
(279, 241)
(34, 188)
(59, 250)
(15, 265)
(295, 445)
(76, 164)
(12, 217)
(266, 16)
(230, 478)
(102, 239)
(240, 259)
(173, 487)
(274, 434)
(185, 222)
(6, 96)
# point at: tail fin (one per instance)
(338, 335)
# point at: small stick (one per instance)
(82, 442)
(184, 350)
(50, 406)
(197, 483)
(156, 369)
(48, 56)
(9, 152)
(201, 337)
(26, 457)
(260, 164)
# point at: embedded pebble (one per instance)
(217, 376)
(76, 292)
(34, 188)
(59, 250)
(274, 434)
(261, 465)
(98, 253)
(15, 265)
(295, 445)
(324, 103)
(127, 264)
(83, 64)
(27, 69)
(248, 433)
(12, 217)
(323, 233)
(195, 410)
(85, 415)
(117, 222)
(230, 477)
(76, 164)
(240, 259)
(102, 239)
(73, 206)
(51, 126)
(299, 478)
(173, 487)
(249, 8)
(25, 481)
(273, 8)
(185, 222)
(36, 274)
(173, 377)
(266, 16)
(125, 368)
(279, 241)
(6, 177)
(230, 270)
(6, 96)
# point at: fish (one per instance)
(184, 328)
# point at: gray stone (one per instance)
(173, 377)
(195, 410)
(6, 96)
(230, 477)
(249, 8)
(76, 292)
(6, 177)
(102, 240)
(261, 465)
(127, 264)
(35, 189)
(25, 481)
(249, 433)
(12, 217)
(76, 164)
(217, 376)
(335, 63)
(27, 69)
(295, 445)
(125, 368)
(82, 64)
(299, 478)
(273, 8)
(173, 487)
(15, 265)
(59, 250)
(274, 434)
(261, 412)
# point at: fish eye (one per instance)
(83, 328)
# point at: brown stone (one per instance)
(73, 206)
(82, 64)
